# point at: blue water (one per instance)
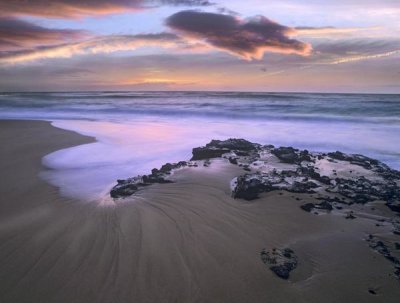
(295, 106)
(137, 131)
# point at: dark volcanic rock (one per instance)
(280, 261)
(285, 154)
(217, 148)
(303, 187)
(203, 153)
(309, 207)
(325, 205)
(123, 190)
(363, 190)
(233, 160)
(301, 177)
(397, 272)
(350, 216)
(233, 144)
(248, 188)
(291, 155)
(338, 156)
(394, 206)
(310, 172)
(128, 187)
(356, 159)
(396, 228)
(367, 163)
(381, 248)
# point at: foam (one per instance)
(133, 146)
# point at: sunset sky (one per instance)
(253, 45)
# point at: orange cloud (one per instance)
(17, 34)
(334, 32)
(79, 8)
(364, 57)
(104, 44)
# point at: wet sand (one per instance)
(183, 242)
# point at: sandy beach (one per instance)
(188, 241)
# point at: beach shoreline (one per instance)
(188, 241)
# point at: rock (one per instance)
(128, 187)
(248, 188)
(234, 145)
(381, 248)
(372, 291)
(308, 207)
(363, 190)
(285, 154)
(396, 228)
(203, 153)
(338, 156)
(367, 163)
(301, 177)
(350, 216)
(394, 206)
(242, 153)
(233, 160)
(291, 155)
(217, 148)
(325, 205)
(166, 168)
(303, 187)
(331, 199)
(397, 272)
(207, 163)
(310, 172)
(152, 179)
(280, 261)
(397, 245)
(123, 190)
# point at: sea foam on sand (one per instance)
(135, 145)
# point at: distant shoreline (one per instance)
(203, 91)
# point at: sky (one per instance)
(218, 45)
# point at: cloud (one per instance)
(200, 32)
(17, 34)
(364, 57)
(338, 32)
(246, 38)
(355, 47)
(98, 45)
(327, 30)
(80, 8)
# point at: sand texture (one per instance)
(187, 241)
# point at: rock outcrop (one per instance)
(285, 168)
(280, 261)
(336, 179)
(128, 187)
(380, 247)
(217, 148)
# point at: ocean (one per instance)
(137, 131)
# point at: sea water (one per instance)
(137, 131)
